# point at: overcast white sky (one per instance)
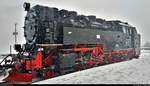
(135, 12)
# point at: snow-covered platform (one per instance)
(136, 71)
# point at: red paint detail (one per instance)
(137, 53)
(18, 64)
(110, 59)
(34, 63)
(118, 57)
(77, 67)
(78, 49)
(92, 62)
(108, 56)
(19, 77)
(85, 48)
(48, 74)
(47, 45)
(95, 52)
(100, 59)
(96, 49)
(75, 45)
(37, 62)
(48, 62)
(28, 65)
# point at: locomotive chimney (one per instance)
(26, 6)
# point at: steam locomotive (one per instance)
(59, 42)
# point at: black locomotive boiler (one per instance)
(61, 41)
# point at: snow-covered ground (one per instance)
(136, 71)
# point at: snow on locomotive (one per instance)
(60, 42)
